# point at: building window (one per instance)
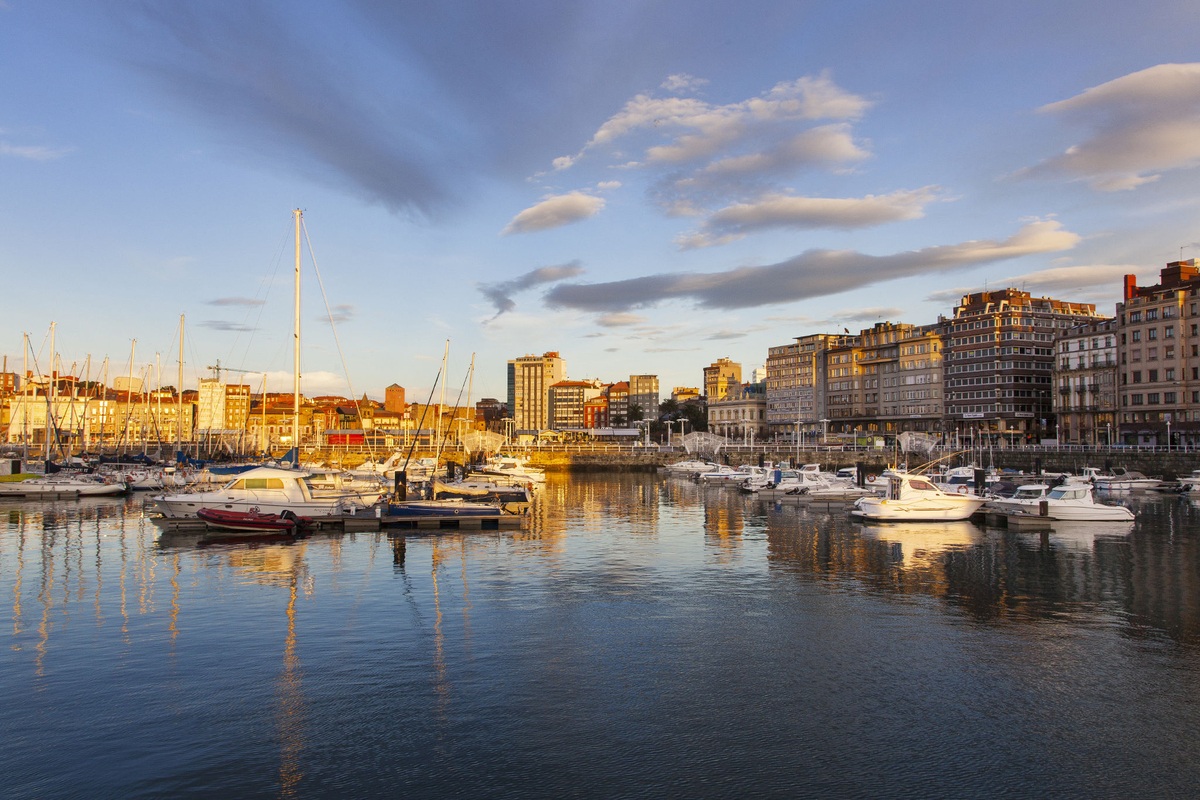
(1124, 378)
(1151, 314)
(1168, 397)
(1136, 399)
(1137, 376)
(1152, 399)
(1153, 377)
(1137, 336)
(1135, 316)
(1169, 332)
(1152, 334)
(1170, 376)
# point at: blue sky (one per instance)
(644, 187)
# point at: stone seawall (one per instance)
(1167, 465)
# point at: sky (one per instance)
(644, 187)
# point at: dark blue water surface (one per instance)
(641, 637)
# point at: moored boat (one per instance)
(1073, 502)
(252, 521)
(913, 498)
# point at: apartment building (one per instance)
(888, 379)
(1085, 381)
(568, 400)
(1159, 348)
(721, 378)
(795, 383)
(618, 404)
(643, 393)
(682, 394)
(999, 363)
(741, 416)
(529, 380)
(222, 406)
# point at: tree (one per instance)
(635, 414)
(668, 408)
(696, 415)
(618, 421)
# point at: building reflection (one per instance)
(996, 574)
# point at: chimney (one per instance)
(1130, 287)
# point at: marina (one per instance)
(926, 656)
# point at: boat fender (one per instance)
(963, 490)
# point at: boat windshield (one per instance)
(255, 483)
(922, 485)
(1030, 491)
(1068, 494)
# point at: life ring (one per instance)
(872, 478)
(964, 490)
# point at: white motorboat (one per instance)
(1016, 504)
(1075, 502)
(513, 467)
(1121, 480)
(734, 477)
(914, 498)
(50, 485)
(268, 489)
(961, 480)
(690, 467)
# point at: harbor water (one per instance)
(642, 636)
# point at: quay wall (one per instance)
(1167, 464)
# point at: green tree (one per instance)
(635, 414)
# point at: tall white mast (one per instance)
(128, 392)
(470, 387)
(179, 394)
(50, 392)
(298, 214)
(437, 442)
(25, 398)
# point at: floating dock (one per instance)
(355, 523)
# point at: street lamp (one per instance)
(824, 431)
(1108, 440)
(1168, 434)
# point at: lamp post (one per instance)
(1168, 435)
(1108, 438)
(824, 430)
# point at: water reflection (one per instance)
(623, 595)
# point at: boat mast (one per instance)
(50, 392)
(104, 407)
(298, 214)
(128, 391)
(437, 453)
(470, 387)
(87, 428)
(179, 394)
(25, 397)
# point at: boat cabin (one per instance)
(906, 487)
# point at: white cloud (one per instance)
(702, 129)
(605, 185)
(872, 314)
(1141, 125)
(806, 213)
(822, 144)
(554, 212)
(682, 82)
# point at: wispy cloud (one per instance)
(1088, 280)
(806, 213)
(869, 314)
(1141, 125)
(343, 312)
(500, 294)
(555, 211)
(812, 274)
(619, 319)
(226, 326)
(236, 301)
(34, 152)
(725, 333)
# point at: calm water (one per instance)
(644, 637)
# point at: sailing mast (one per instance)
(25, 397)
(298, 214)
(437, 454)
(179, 395)
(50, 392)
(470, 387)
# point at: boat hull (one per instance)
(932, 510)
(250, 522)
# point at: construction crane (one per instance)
(217, 369)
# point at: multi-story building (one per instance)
(1085, 382)
(595, 412)
(222, 406)
(999, 362)
(795, 384)
(618, 404)
(10, 384)
(721, 378)
(530, 378)
(885, 380)
(758, 375)
(567, 401)
(682, 394)
(1159, 348)
(742, 416)
(393, 398)
(643, 393)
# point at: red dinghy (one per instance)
(251, 521)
